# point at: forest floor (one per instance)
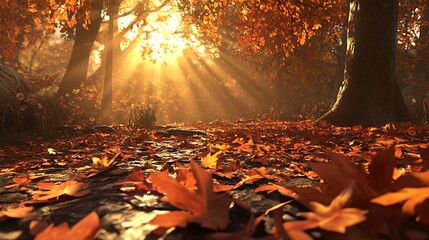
(112, 171)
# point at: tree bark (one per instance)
(421, 70)
(341, 57)
(106, 106)
(369, 94)
(84, 39)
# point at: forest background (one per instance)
(190, 61)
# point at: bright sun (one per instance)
(161, 38)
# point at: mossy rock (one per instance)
(12, 90)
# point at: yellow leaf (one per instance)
(210, 160)
(317, 26)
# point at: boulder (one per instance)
(12, 91)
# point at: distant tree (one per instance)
(414, 54)
(84, 36)
(422, 67)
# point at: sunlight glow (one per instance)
(161, 36)
(165, 64)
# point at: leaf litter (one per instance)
(256, 180)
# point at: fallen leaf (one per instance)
(70, 187)
(274, 187)
(222, 147)
(85, 229)
(37, 227)
(203, 206)
(415, 200)
(367, 184)
(335, 217)
(134, 180)
(52, 151)
(17, 211)
(210, 161)
(249, 180)
(19, 181)
(381, 170)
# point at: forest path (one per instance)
(240, 156)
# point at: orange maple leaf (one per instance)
(334, 218)
(70, 187)
(21, 181)
(203, 206)
(85, 229)
(16, 211)
(414, 199)
(338, 175)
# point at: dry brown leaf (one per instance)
(414, 199)
(19, 181)
(381, 170)
(203, 206)
(134, 180)
(85, 229)
(274, 187)
(70, 187)
(249, 180)
(335, 217)
(338, 175)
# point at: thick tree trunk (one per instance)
(84, 39)
(369, 94)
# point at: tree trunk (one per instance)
(421, 70)
(341, 57)
(369, 94)
(106, 106)
(84, 39)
